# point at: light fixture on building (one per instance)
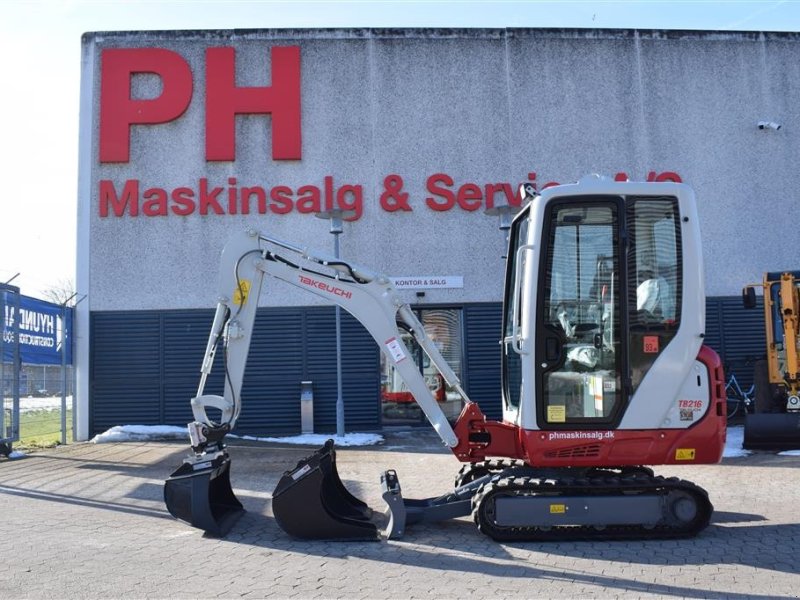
(769, 125)
(336, 217)
(505, 213)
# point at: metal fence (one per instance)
(9, 368)
(46, 413)
(36, 376)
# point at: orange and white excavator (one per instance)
(604, 373)
(774, 423)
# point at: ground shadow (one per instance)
(424, 548)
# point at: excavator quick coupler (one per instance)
(199, 492)
(311, 502)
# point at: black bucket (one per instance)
(772, 431)
(310, 502)
(201, 495)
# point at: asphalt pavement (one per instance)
(88, 521)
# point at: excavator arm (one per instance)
(369, 296)
(199, 491)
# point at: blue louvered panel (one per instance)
(482, 324)
(741, 335)
(138, 403)
(271, 389)
(125, 369)
(360, 370)
(145, 368)
(125, 342)
(185, 335)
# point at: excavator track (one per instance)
(634, 507)
(472, 471)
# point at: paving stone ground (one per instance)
(88, 521)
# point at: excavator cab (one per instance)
(599, 292)
(603, 373)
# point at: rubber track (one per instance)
(472, 471)
(605, 486)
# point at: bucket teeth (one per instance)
(200, 493)
(311, 502)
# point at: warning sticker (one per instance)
(241, 291)
(684, 454)
(558, 509)
(556, 414)
(395, 350)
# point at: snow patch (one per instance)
(143, 433)
(318, 439)
(30, 404)
(789, 453)
(17, 454)
(733, 443)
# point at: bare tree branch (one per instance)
(60, 292)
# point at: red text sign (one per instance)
(224, 99)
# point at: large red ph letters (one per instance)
(224, 100)
(118, 111)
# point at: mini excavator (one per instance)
(604, 374)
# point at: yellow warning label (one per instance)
(241, 292)
(556, 414)
(684, 454)
(558, 509)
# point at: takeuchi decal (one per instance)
(209, 198)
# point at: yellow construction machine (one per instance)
(775, 423)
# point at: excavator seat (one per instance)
(201, 495)
(311, 502)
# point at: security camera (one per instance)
(769, 125)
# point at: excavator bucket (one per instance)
(772, 431)
(201, 495)
(310, 502)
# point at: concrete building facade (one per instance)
(188, 136)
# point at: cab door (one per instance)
(581, 352)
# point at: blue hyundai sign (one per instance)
(44, 329)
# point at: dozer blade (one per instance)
(311, 502)
(200, 494)
(772, 431)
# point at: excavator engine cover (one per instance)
(310, 502)
(200, 494)
(772, 431)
